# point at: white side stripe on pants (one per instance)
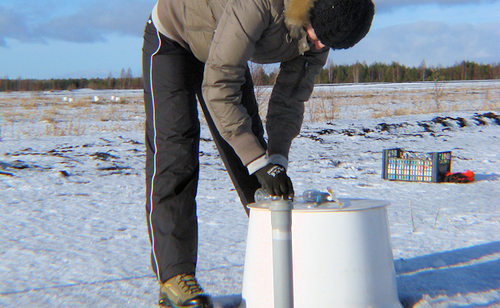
(155, 154)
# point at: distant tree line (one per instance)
(126, 81)
(331, 73)
(395, 72)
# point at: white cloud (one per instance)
(436, 42)
(12, 25)
(84, 22)
(401, 33)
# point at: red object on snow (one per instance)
(459, 177)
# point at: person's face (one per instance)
(313, 38)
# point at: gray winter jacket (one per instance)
(225, 34)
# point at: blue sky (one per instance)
(90, 38)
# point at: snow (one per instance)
(72, 219)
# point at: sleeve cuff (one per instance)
(257, 164)
(264, 160)
(279, 160)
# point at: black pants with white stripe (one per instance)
(172, 82)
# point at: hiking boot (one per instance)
(183, 291)
(164, 302)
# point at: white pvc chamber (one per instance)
(342, 257)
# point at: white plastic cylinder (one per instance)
(281, 221)
(342, 258)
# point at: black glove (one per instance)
(274, 180)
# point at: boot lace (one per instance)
(189, 284)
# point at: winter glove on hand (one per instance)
(274, 180)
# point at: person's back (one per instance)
(193, 24)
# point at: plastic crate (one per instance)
(399, 165)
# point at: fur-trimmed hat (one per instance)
(339, 24)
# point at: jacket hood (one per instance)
(297, 12)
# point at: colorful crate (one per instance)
(400, 165)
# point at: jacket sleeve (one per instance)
(294, 85)
(240, 27)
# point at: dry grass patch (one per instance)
(80, 103)
(44, 115)
(437, 97)
(37, 116)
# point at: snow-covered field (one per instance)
(72, 218)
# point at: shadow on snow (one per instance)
(446, 274)
(461, 271)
